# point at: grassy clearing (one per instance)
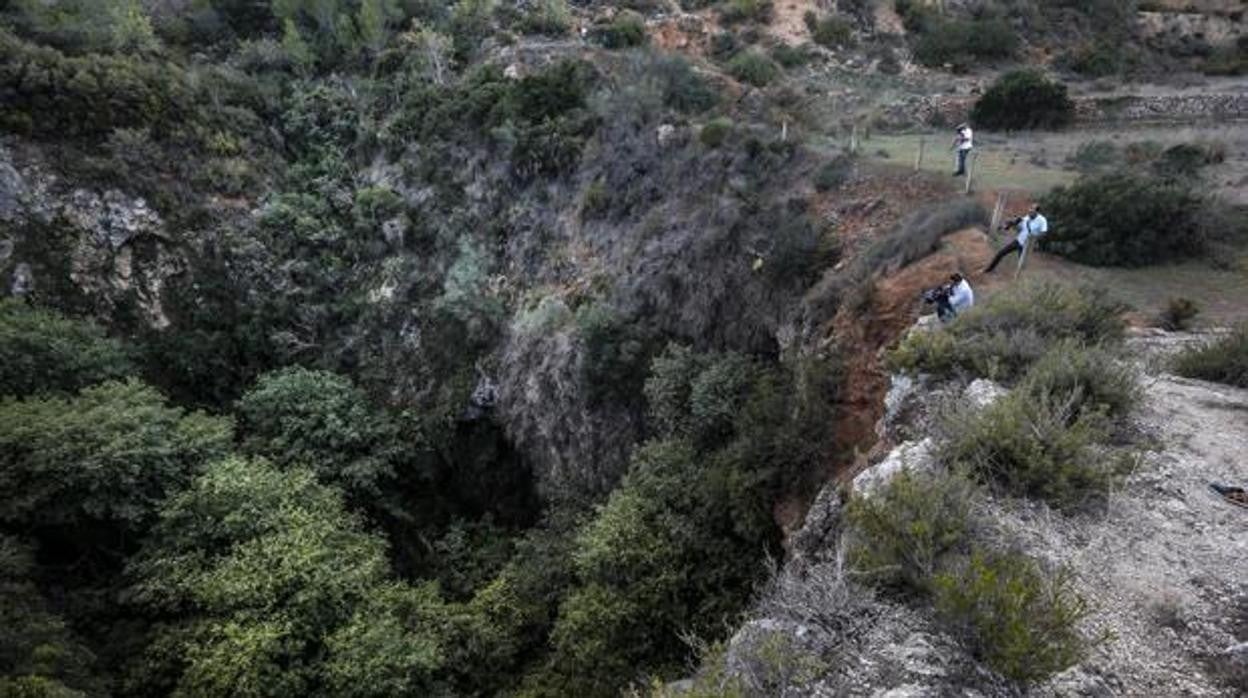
(996, 167)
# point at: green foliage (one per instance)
(42, 351)
(1002, 337)
(1179, 314)
(1024, 99)
(82, 26)
(550, 17)
(753, 68)
(50, 94)
(317, 419)
(1126, 220)
(834, 173)
(626, 29)
(1094, 156)
(904, 532)
(714, 132)
(279, 592)
(962, 43)
(1018, 620)
(792, 56)
(1094, 377)
(741, 11)
(832, 31)
(109, 454)
(39, 654)
(616, 353)
(675, 548)
(1039, 446)
(1224, 360)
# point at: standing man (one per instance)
(1030, 227)
(963, 143)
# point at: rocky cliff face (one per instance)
(1161, 565)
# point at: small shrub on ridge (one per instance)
(1024, 99)
(1223, 361)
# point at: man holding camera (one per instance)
(1030, 227)
(951, 298)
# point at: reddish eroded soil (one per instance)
(894, 307)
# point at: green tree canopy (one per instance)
(300, 416)
(42, 350)
(110, 453)
(282, 593)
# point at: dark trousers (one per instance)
(962, 161)
(1001, 254)
(944, 310)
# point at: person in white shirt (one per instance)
(958, 297)
(1031, 227)
(963, 142)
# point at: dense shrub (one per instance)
(276, 585)
(831, 32)
(1179, 314)
(1024, 99)
(1095, 379)
(792, 56)
(1002, 337)
(1094, 156)
(1019, 620)
(738, 11)
(1225, 360)
(832, 174)
(714, 132)
(109, 454)
(319, 420)
(550, 17)
(615, 354)
(624, 30)
(902, 533)
(753, 68)
(41, 351)
(1125, 220)
(1032, 446)
(46, 93)
(962, 43)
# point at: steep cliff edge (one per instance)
(1160, 564)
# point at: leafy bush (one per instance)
(1031, 446)
(1020, 621)
(107, 455)
(624, 30)
(1125, 220)
(834, 173)
(1094, 156)
(962, 43)
(49, 94)
(738, 11)
(791, 56)
(832, 32)
(753, 68)
(1001, 338)
(1024, 99)
(714, 132)
(615, 355)
(1186, 160)
(550, 17)
(902, 533)
(1179, 314)
(276, 585)
(1224, 360)
(318, 419)
(1095, 379)
(41, 351)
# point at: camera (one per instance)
(937, 295)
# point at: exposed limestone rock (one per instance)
(982, 393)
(912, 456)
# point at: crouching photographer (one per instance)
(951, 298)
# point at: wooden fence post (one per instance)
(997, 212)
(918, 157)
(853, 139)
(970, 170)
(1022, 258)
